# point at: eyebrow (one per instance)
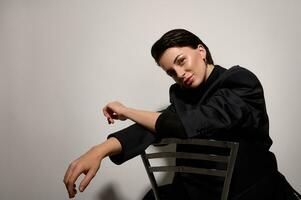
(176, 58)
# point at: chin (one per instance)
(191, 86)
(196, 84)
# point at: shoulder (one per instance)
(241, 76)
(236, 77)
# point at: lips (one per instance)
(188, 81)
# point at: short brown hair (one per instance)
(178, 38)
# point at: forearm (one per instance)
(116, 110)
(145, 118)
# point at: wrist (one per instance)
(109, 147)
(98, 151)
(125, 112)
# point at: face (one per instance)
(185, 65)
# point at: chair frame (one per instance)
(228, 159)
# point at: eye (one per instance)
(181, 61)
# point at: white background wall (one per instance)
(61, 61)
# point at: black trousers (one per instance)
(167, 192)
(266, 190)
(186, 189)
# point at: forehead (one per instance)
(169, 55)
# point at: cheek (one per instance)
(196, 61)
(198, 66)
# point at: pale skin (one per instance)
(185, 65)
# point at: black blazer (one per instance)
(230, 105)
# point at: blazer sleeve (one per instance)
(134, 140)
(169, 124)
(238, 102)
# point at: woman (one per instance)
(207, 101)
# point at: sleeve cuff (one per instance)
(134, 140)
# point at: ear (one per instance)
(202, 51)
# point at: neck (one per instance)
(209, 69)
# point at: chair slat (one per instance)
(184, 155)
(195, 170)
(225, 160)
(196, 141)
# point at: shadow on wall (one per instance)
(109, 192)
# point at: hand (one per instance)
(87, 164)
(114, 110)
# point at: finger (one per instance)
(106, 112)
(74, 192)
(107, 115)
(85, 182)
(71, 190)
(69, 171)
(67, 177)
(110, 120)
(67, 174)
(71, 181)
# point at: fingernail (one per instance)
(81, 189)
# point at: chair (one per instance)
(227, 160)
